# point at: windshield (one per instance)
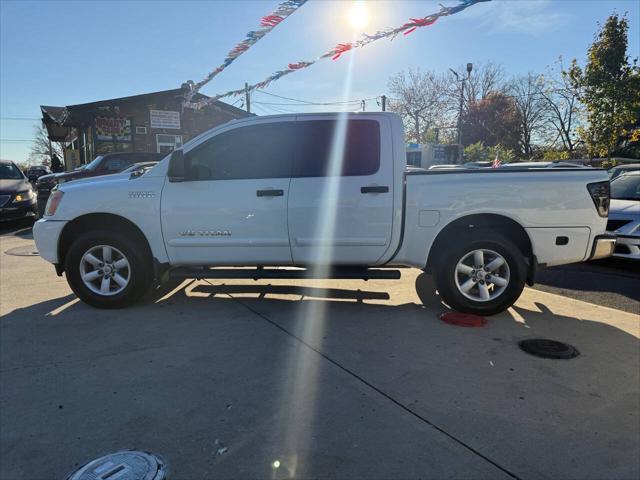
(9, 171)
(626, 187)
(94, 164)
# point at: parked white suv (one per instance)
(327, 192)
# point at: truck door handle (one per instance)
(374, 189)
(270, 193)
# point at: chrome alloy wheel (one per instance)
(482, 275)
(105, 270)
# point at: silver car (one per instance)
(624, 215)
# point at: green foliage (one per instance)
(551, 155)
(477, 152)
(506, 155)
(607, 164)
(609, 88)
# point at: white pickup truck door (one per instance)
(341, 211)
(232, 209)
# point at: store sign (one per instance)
(113, 128)
(165, 119)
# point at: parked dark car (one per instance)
(34, 172)
(624, 168)
(17, 197)
(101, 165)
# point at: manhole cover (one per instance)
(26, 251)
(126, 465)
(541, 347)
(463, 319)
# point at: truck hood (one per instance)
(98, 181)
(13, 185)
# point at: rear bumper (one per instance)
(603, 247)
(47, 233)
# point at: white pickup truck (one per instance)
(331, 194)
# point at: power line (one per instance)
(310, 104)
(274, 109)
(307, 102)
(20, 118)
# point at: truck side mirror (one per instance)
(176, 166)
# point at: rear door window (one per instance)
(357, 155)
(256, 151)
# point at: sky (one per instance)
(66, 53)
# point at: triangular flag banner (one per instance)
(341, 48)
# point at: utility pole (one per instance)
(384, 103)
(460, 114)
(469, 69)
(247, 97)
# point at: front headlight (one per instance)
(23, 196)
(53, 203)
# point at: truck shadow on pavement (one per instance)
(173, 365)
(20, 228)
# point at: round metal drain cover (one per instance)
(541, 347)
(125, 465)
(26, 251)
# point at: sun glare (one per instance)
(359, 15)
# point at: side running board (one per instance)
(339, 273)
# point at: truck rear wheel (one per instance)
(483, 276)
(107, 269)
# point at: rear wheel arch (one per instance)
(101, 221)
(472, 226)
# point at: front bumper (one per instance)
(46, 234)
(18, 211)
(627, 246)
(603, 247)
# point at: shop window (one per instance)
(168, 143)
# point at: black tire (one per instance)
(141, 271)
(446, 274)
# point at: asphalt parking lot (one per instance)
(334, 379)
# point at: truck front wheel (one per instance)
(107, 270)
(483, 276)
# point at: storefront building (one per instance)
(152, 122)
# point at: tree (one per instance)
(531, 109)
(42, 150)
(563, 112)
(418, 99)
(609, 87)
(492, 121)
(485, 79)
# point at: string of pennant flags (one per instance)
(267, 23)
(335, 53)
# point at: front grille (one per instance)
(613, 225)
(4, 199)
